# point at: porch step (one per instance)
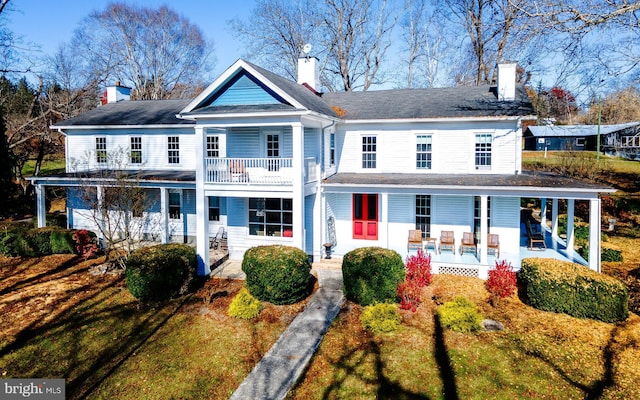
(328, 264)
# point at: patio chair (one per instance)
(415, 240)
(468, 242)
(447, 241)
(214, 242)
(237, 171)
(493, 243)
(535, 236)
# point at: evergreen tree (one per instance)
(6, 168)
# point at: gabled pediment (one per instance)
(242, 86)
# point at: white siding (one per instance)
(505, 221)
(451, 213)
(402, 211)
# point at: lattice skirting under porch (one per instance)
(457, 270)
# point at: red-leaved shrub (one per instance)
(419, 268)
(85, 243)
(409, 294)
(502, 280)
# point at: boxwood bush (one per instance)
(565, 287)
(380, 318)
(160, 272)
(277, 274)
(372, 275)
(36, 242)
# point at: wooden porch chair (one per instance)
(415, 240)
(535, 236)
(447, 241)
(214, 242)
(468, 242)
(237, 171)
(493, 243)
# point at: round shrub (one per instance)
(244, 305)
(277, 274)
(160, 272)
(460, 315)
(62, 241)
(372, 275)
(380, 318)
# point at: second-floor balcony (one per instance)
(260, 171)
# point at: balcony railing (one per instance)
(272, 171)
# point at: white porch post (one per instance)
(554, 223)
(383, 228)
(317, 220)
(543, 212)
(594, 234)
(484, 231)
(100, 219)
(164, 215)
(298, 186)
(570, 231)
(41, 207)
(202, 206)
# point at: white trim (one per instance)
(438, 119)
(60, 128)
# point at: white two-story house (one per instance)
(271, 161)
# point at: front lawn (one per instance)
(58, 320)
(539, 355)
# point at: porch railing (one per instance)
(276, 171)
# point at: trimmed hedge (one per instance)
(277, 274)
(565, 287)
(36, 242)
(372, 275)
(161, 272)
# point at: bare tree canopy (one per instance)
(351, 37)
(156, 51)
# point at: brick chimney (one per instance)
(308, 71)
(115, 93)
(507, 81)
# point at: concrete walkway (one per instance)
(283, 364)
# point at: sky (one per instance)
(49, 23)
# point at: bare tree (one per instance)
(285, 27)
(156, 51)
(112, 200)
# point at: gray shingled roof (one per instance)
(576, 130)
(137, 112)
(532, 179)
(454, 102)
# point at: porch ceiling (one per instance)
(526, 181)
(106, 175)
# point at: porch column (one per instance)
(554, 223)
(543, 212)
(484, 231)
(164, 215)
(298, 185)
(570, 234)
(594, 234)
(383, 228)
(202, 206)
(317, 220)
(100, 220)
(41, 206)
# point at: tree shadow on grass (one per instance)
(90, 332)
(447, 374)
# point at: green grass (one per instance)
(531, 159)
(49, 166)
(92, 332)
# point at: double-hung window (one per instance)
(369, 148)
(135, 151)
(423, 151)
(483, 150)
(213, 146)
(214, 208)
(423, 214)
(365, 216)
(332, 149)
(271, 217)
(174, 205)
(173, 149)
(101, 150)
